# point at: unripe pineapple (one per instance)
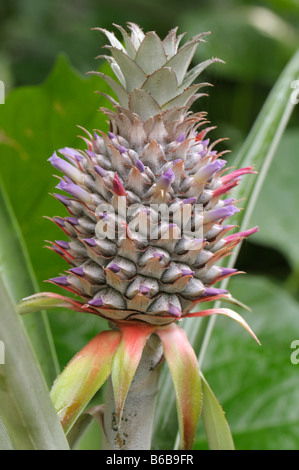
(156, 154)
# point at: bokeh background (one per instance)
(46, 48)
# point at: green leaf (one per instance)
(48, 116)
(258, 150)
(150, 55)
(35, 121)
(83, 377)
(255, 42)
(217, 430)
(29, 416)
(19, 277)
(78, 429)
(257, 386)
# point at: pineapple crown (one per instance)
(152, 74)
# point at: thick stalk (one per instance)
(135, 428)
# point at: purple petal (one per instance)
(59, 221)
(213, 291)
(227, 271)
(72, 220)
(90, 241)
(111, 135)
(221, 213)
(140, 166)
(166, 179)
(208, 171)
(75, 190)
(63, 244)
(64, 199)
(181, 138)
(143, 290)
(190, 200)
(71, 154)
(187, 272)
(65, 167)
(114, 268)
(228, 201)
(122, 149)
(61, 280)
(79, 271)
(96, 302)
(90, 153)
(174, 311)
(100, 170)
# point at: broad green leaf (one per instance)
(83, 377)
(35, 121)
(25, 405)
(253, 41)
(217, 430)
(257, 386)
(182, 363)
(19, 277)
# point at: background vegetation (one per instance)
(46, 48)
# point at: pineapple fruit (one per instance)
(154, 156)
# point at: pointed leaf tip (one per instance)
(229, 313)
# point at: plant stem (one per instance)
(135, 428)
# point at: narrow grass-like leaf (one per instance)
(217, 430)
(258, 150)
(25, 405)
(227, 312)
(83, 377)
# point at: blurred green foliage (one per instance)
(50, 97)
